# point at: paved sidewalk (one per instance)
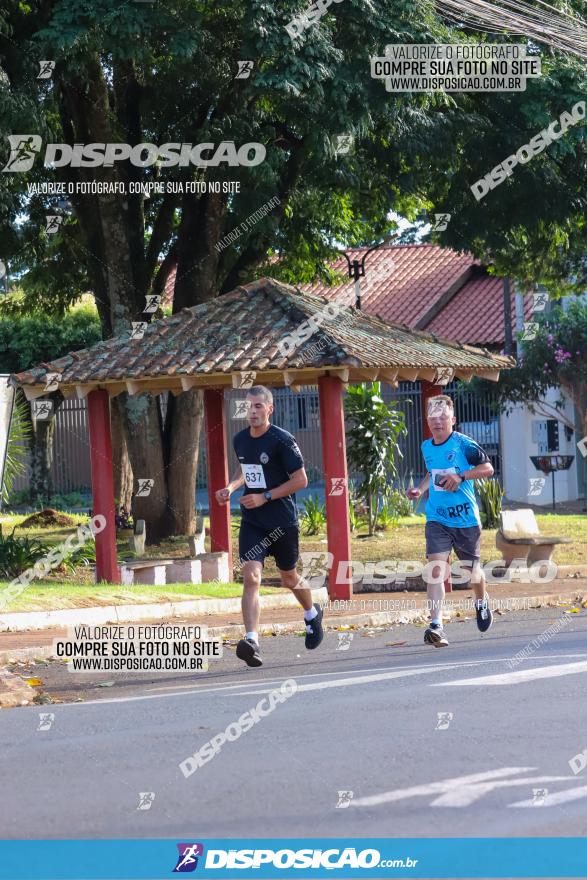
(365, 609)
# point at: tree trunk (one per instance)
(142, 424)
(122, 276)
(41, 460)
(123, 477)
(185, 417)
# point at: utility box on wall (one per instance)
(545, 435)
(552, 435)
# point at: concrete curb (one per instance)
(415, 582)
(368, 619)
(23, 621)
(384, 618)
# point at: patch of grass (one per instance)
(406, 541)
(44, 596)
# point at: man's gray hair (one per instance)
(260, 391)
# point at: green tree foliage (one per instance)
(373, 444)
(165, 72)
(28, 340)
(555, 358)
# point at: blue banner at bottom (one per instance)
(283, 858)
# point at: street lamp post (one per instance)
(356, 268)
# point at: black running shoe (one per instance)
(314, 631)
(484, 615)
(248, 650)
(434, 635)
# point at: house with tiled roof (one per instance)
(425, 287)
(453, 295)
(430, 288)
(449, 295)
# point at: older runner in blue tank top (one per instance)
(453, 461)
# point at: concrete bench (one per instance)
(518, 538)
(144, 571)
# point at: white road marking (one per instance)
(518, 677)
(552, 800)
(344, 682)
(459, 791)
(199, 688)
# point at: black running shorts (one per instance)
(283, 543)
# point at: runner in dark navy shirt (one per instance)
(271, 469)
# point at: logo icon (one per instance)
(241, 408)
(441, 222)
(344, 144)
(46, 69)
(444, 375)
(153, 302)
(263, 458)
(188, 857)
(42, 409)
(244, 69)
(139, 329)
(146, 799)
(245, 379)
(540, 301)
(337, 485)
(344, 799)
(52, 223)
(536, 485)
(530, 331)
(145, 486)
(46, 719)
(315, 567)
(23, 148)
(344, 641)
(444, 719)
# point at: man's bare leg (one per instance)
(482, 609)
(248, 648)
(437, 572)
(436, 577)
(250, 604)
(299, 587)
(312, 613)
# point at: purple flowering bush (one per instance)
(556, 357)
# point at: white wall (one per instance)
(517, 447)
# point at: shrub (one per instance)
(314, 515)
(490, 496)
(18, 554)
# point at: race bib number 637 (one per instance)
(254, 476)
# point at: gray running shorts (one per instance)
(442, 539)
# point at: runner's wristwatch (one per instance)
(267, 496)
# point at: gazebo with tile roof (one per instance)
(210, 346)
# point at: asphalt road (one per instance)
(363, 720)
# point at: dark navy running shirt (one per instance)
(267, 462)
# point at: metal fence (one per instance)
(70, 470)
(298, 413)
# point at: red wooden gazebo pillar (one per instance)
(429, 390)
(103, 485)
(336, 487)
(217, 471)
